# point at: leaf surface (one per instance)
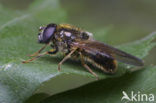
(18, 38)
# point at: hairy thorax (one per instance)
(66, 37)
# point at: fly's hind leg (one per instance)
(52, 51)
(87, 67)
(65, 58)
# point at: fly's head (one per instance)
(47, 33)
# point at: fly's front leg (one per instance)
(36, 53)
(52, 51)
(87, 67)
(34, 58)
(65, 58)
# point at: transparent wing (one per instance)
(109, 51)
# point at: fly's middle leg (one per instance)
(65, 58)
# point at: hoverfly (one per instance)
(75, 42)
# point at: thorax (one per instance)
(66, 36)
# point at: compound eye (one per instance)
(48, 33)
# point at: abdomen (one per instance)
(103, 62)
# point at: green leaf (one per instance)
(18, 38)
(111, 90)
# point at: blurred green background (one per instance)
(124, 20)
